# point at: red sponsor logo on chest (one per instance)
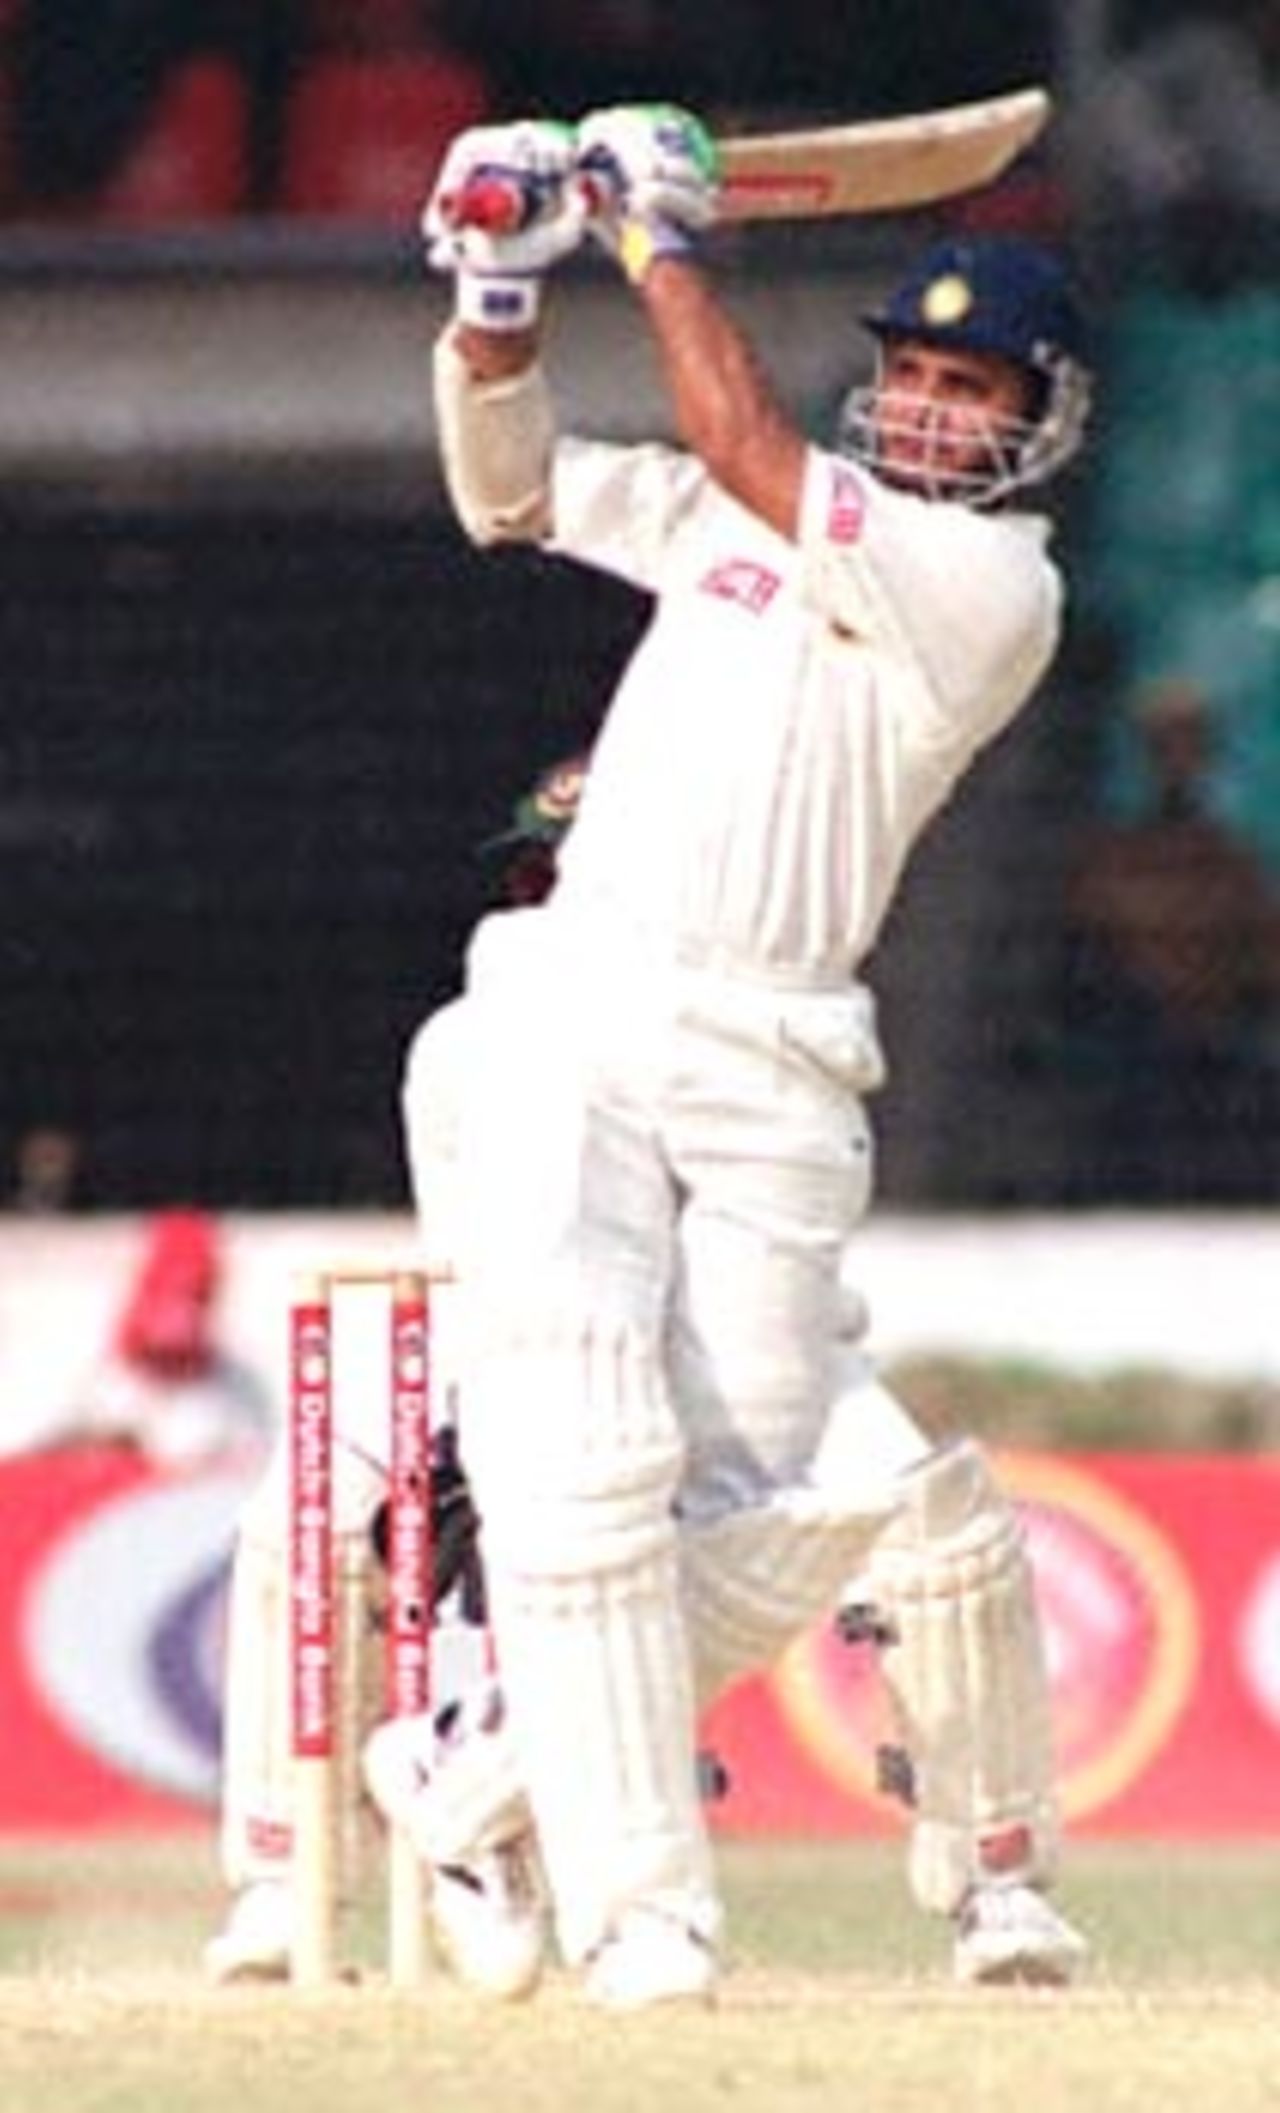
(846, 506)
(741, 580)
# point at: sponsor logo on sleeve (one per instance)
(846, 505)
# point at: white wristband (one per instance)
(491, 301)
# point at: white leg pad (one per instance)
(597, 1673)
(257, 1786)
(967, 1677)
(576, 1485)
(257, 1836)
(754, 1579)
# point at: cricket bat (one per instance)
(883, 165)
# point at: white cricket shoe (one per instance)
(256, 1941)
(651, 1959)
(1009, 1934)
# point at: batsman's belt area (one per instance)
(837, 2001)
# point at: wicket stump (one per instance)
(314, 1653)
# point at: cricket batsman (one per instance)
(487, 1903)
(663, 1143)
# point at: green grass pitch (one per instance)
(838, 2000)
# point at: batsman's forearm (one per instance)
(496, 433)
(724, 406)
(495, 355)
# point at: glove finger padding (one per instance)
(652, 161)
(534, 162)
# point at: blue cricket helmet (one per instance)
(993, 293)
(1004, 295)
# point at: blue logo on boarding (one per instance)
(141, 1684)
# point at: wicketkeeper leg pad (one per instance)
(964, 1662)
(257, 1787)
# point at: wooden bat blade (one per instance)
(882, 166)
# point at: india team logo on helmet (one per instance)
(947, 301)
(1005, 296)
(996, 293)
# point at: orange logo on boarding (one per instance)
(1123, 1637)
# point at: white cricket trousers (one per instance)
(659, 1169)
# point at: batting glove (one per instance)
(654, 171)
(506, 205)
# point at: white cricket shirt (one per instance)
(795, 712)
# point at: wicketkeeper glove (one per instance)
(506, 205)
(455, 1531)
(653, 171)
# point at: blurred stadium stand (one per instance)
(190, 161)
(1186, 526)
(364, 133)
(246, 764)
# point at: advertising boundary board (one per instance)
(1159, 1578)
